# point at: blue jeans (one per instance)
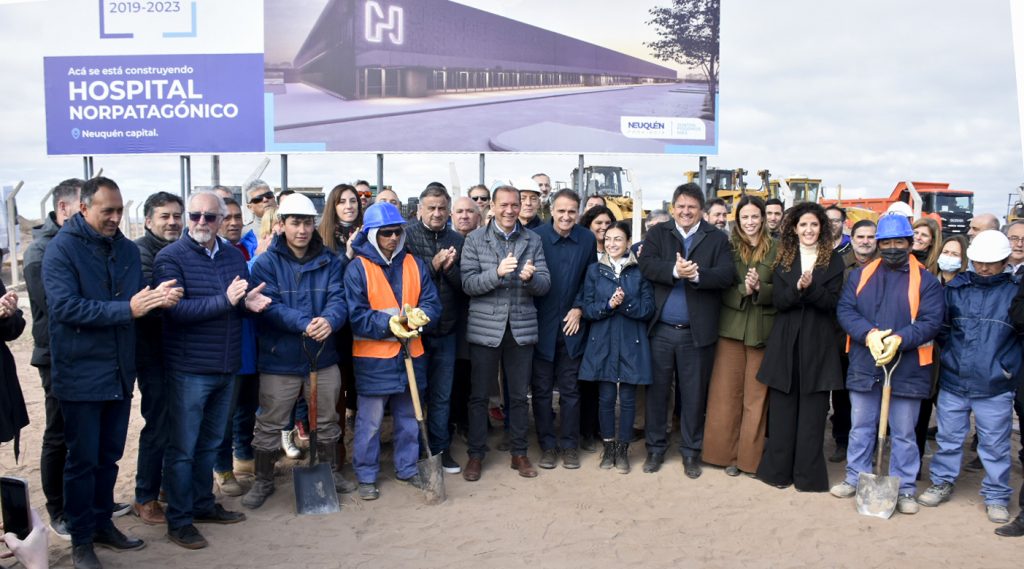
(197, 407)
(992, 420)
(94, 432)
(366, 444)
(238, 434)
(153, 437)
(904, 460)
(440, 352)
(626, 394)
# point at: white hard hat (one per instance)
(296, 204)
(989, 246)
(900, 208)
(525, 185)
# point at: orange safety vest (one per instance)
(382, 298)
(924, 352)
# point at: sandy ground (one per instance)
(563, 518)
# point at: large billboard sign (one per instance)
(199, 76)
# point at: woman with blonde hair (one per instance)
(734, 426)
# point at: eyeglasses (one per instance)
(389, 232)
(262, 198)
(195, 216)
(1015, 239)
(479, 198)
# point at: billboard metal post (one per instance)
(139, 215)
(42, 205)
(703, 177)
(87, 167)
(581, 183)
(284, 172)
(483, 165)
(186, 176)
(215, 170)
(380, 172)
(12, 236)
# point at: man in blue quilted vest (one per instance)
(202, 353)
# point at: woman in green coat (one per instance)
(734, 427)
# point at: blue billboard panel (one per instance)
(137, 104)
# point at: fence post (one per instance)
(12, 234)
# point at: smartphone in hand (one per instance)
(14, 504)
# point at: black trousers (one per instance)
(55, 452)
(796, 432)
(674, 357)
(459, 414)
(517, 361)
(841, 409)
(589, 404)
(563, 373)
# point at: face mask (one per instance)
(895, 258)
(949, 263)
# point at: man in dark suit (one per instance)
(689, 262)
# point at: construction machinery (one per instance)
(952, 208)
(1015, 205)
(607, 182)
(730, 186)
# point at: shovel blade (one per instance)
(877, 495)
(432, 473)
(314, 490)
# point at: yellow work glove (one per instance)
(416, 317)
(399, 329)
(892, 346)
(874, 342)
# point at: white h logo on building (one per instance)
(377, 24)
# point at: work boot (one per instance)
(608, 456)
(263, 486)
(288, 445)
(84, 557)
(622, 457)
(328, 453)
(228, 484)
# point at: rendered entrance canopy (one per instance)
(198, 76)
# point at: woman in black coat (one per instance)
(13, 414)
(800, 365)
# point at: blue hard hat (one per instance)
(894, 226)
(381, 214)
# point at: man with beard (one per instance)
(162, 212)
(202, 353)
(773, 210)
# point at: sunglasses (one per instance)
(479, 198)
(195, 216)
(389, 232)
(262, 197)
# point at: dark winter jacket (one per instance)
(617, 345)
(711, 251)
(499, 302)
(377, 376)
(425, 243)
(203, 332)
(13, 414)
(149, 328)
(884, 304)
(803, 333)
(299, 290)
(981, 343)
(33, 261)
(90, 280)
(570, 256)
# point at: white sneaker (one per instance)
(997, 513)
(844, 490)
(290, 450)
(907, 504)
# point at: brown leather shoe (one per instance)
(472, 471)
(524, 466)
(151, 513)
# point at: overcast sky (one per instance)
(862, 94)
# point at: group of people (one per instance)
(746, 333)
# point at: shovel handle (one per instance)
(413, 388)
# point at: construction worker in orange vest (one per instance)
(390, 297)
(892, 308)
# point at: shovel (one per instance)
(314, 484)
(876, 494)
(430, 468)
